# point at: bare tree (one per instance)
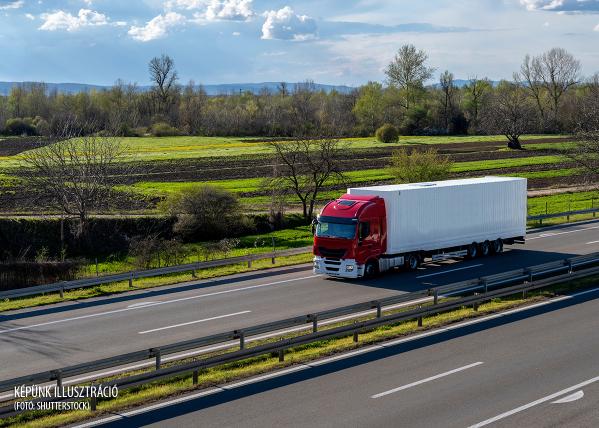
(164, 76)
(586, 151)
(408, 71)
(448, 88)
(305, 166)
(75, 173)
(553, 73)
(510, 113)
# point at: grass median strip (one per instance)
(250, 367)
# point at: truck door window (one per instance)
(364, 230)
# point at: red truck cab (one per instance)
(350, 236)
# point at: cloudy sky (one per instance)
(328, 41)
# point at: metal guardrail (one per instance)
(132, 275)
(485, 289)
(61, 287)
(566, 214)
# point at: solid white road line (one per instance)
(135, 305)
(450, 270)
(151, 305)
(592, 242)
(552, 234)
(428, 379)
(535, 403)
(194, 322)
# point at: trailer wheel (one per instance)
(413, 261)
(497, 246)
(472, 251)
(485, 248)
(371, 269)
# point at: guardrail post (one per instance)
(378, 309)
(131, 281)
(475, 305)
(484, 283)
(62, 292)
(196, 375)
(241, 340)
(570, 268)
(420, 317)
(314, 323)
(58, 376)
(281, 354)
(355, 335)
(97, 271)
(193, 274)
(93, 401)
(249, 263)
(157, 355)
(273, 259)
(436, 297)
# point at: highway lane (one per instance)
(533, 368)
(72, 332)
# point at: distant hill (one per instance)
(227, 88)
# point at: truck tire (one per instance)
(485, 248)
(371, 269)
(472, 251)
(497, 246)
(413, 261)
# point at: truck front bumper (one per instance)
(338, 267)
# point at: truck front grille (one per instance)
(327, 252)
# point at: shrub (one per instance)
(387, 134)
(162, 129)
(417, 166)
(415, 121)
(18, 126)
(205, 212)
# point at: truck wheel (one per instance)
(497, 246)
(371, 269)
(413, 262)
(472, 251)
(485, 248)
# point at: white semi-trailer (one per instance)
(373, 229)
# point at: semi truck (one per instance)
(374, 229)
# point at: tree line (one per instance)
(547, 94)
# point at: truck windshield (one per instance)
(335, 230)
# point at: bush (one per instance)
(387, 134)
(205, 213)
(162, 129)
(417, 166)
(415, 121)
(18, 126)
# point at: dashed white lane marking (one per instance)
(115, 311)
(428, 379)
(195, 322)
(137, 305)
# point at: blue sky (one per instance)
(328, 41)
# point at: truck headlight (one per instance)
(349, 268)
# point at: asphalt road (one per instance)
(77, 332)
(533, 368)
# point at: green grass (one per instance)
(246, 185)
(562, 202)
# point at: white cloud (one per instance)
(158, 27)
(285, 24)
(185, 4)
(61, 20)
(236, 33)
(562, 6)
(596, 28)
(229, 10)
(17, 4)
(29, 16)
